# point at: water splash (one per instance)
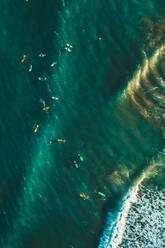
(145, 224)
(115, 231)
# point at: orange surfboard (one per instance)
(23, 59)
(83, 196)
(46, 108)
(36, 129)
(61, 140)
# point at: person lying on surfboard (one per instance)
(61, 140)
(83, 196)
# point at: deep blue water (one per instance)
(40, 187)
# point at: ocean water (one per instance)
(109, 108)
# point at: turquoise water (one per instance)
(40, 204)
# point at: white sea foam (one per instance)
(140, 221)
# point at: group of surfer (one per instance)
(46, 108)
(41, 78)
(68, 47)
(77, 161)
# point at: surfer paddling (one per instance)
(61, 140)
(84, 196)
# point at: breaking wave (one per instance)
(139, 222)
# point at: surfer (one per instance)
(68, 49)
(46, 108)
(76, 164)
(23, 59)
(69, 45)
(36, 128)
(30, 68)
(41, 55)
(83, 196)
(54, 98)
(102, 194)
(42, 78)
(80, 157)
(61, 140)
(53, 64)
